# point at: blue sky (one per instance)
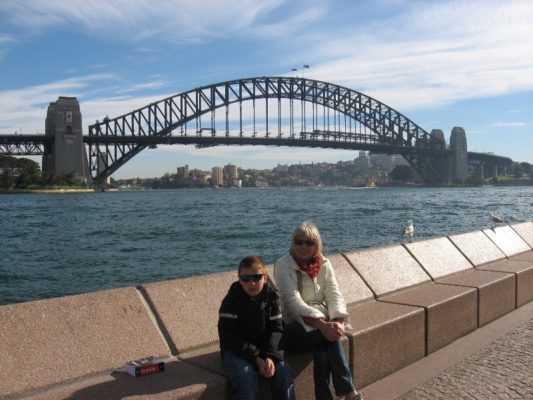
(441, 63)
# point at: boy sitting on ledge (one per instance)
(249, 328)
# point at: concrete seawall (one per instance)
(406, 301)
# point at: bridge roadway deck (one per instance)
(493, 362)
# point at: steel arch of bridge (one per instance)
(113, 142)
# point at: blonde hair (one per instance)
(308, 230)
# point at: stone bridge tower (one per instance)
(454, 167)
(459, 157)
(67, 153)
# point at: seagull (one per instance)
(409, 230)
(494, 219)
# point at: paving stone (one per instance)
(503, 370)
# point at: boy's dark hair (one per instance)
(252, 262)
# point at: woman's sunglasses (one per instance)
(309, 243)
(251, 278)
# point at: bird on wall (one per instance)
(409, 230)
(495, 220)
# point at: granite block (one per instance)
(179, 381)
(47, 342)
(387, 269)
(477, 247)
(496, 292)
(353, 288)
(450, 311)
(207, 357)
(507, 240)
(527, 256)
(439, 257)
(188, 308)
(523, 271)
(525, 230)
(385, 338)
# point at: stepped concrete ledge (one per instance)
(485, 250)
(47, 342)
(406, 302)
(448, 374)
(509, 242)
(525, 230)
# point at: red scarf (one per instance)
(312, 268)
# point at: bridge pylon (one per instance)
(441, 164)
(459, 156)
(67, 153)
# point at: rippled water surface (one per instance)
(58, 244)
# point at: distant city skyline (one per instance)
(442, 64)
(366, 170)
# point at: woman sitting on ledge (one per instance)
(314, 312)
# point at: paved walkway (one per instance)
(494, 362)
(503, 370)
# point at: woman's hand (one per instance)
(332, 330)
(266, 367)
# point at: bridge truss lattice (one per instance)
(274, 111)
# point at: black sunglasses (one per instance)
(251, 278)
(309, 243)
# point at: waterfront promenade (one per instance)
(448, 317)
(493, 362)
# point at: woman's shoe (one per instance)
(354, 396)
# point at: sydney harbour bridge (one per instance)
(266, 111)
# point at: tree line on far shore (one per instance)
(23, 173)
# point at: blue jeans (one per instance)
(329, 362)
(244, 379)
(328, 357)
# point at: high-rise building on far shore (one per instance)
(362, 162)
(385, 162)
(230, 172)
(183, 171)
(217, 176)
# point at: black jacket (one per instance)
(250, 327)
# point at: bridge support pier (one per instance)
(67, 154)
(442, 165)
(480, 171)
(459, 158)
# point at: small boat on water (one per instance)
(370, 183)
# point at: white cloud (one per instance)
(6, 39)
(26, 108)
(144, 86)
(5, 42)
(501, 124)
(434, 53)
(184, 20)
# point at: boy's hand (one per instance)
(266, 367)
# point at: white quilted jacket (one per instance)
(323, 288)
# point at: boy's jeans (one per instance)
(244, 379)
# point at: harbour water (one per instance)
(60, 244)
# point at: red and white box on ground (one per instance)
(144, 366)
